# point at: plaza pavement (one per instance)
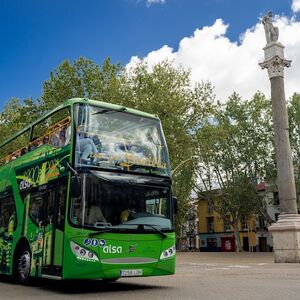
(198, 276)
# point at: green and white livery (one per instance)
(85, 192)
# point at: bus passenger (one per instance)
(8, 158)
(16, 154)
(68, 135)
(46, 139)
(23, 151)
(54, 138)
(94, 215)
(35, 143)
(87, 148)
(62, 137)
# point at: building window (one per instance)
(210, 207)
(262, 224)
(244, 224)
(275, 198)
(227, 227)
(210, 224)
(211, 243)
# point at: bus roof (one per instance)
(72, 101)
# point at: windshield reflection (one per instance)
(121, 207)
(113, 139)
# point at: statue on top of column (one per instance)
(271, 31)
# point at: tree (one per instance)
(236, 151)
(163, 90)
(16, 115)
(294, 124)
(82, 79)
(167, 91)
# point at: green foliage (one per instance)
(16, 115)
(82, 79)
(163, 90)
(233, 142)
(166, 91)
(294, 124)
(236, 151)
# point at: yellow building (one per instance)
(216, 233)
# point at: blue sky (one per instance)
(36, 36)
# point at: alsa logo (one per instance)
(112, 249)
(24, 185)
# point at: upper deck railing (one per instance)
(57, 135)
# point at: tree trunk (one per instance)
(236, 235)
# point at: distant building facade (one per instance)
(215, 233)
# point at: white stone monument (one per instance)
(286, 231)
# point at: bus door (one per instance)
(54, 205)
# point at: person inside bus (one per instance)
(67, 134)
(94, 215)
(35, 143)
(54, 137)
(128, 213)
(15, 155)
(7, 158)
(62, 137)
(88, 149)
(46, 139)
(23, 151)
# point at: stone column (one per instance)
(286, 231)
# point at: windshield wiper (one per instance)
(153, 227)
(100, 231)
(104, 111)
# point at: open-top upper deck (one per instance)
(107, 136)
(73, 101)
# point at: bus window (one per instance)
(62, 195)
(36, 207)
(8, 213)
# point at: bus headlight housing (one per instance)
(170, 252)
(82, 253)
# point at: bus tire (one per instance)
(23, 265)
(110, 279)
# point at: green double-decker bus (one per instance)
(85, 193)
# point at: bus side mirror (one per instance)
(175, 203)
(75, 190)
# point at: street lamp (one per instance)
(183, 221)
(172, 174)
(182, 163)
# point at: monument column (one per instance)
(286, 231)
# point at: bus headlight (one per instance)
(170, 252)
(82, 253)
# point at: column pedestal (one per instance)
(286, 238)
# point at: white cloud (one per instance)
(296, 6)
(233, 66)
(150, 2)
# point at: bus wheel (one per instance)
(110, 279)
(23, 265)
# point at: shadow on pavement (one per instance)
(84, 286)
(93, 286)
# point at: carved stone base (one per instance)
(273, 49)
(274, 60)
(286, 238)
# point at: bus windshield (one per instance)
(120, 205)
(112, 139)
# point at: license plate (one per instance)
(132, 272)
